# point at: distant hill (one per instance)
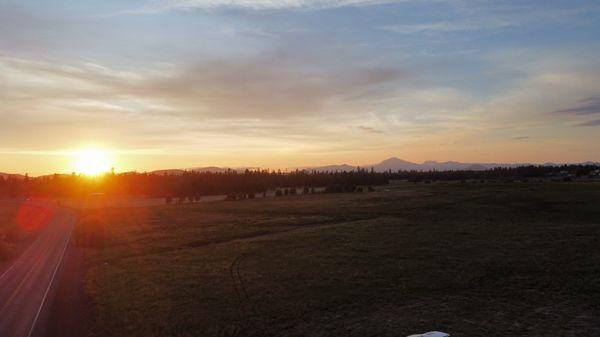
(7, 175)
(394, 164)
(213, 169)
(476, 167)
(333, 168)
(172, 172)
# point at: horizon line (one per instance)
(313, 167)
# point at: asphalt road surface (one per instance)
(26, 286)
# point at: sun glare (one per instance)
(92, 162)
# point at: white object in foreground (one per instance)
(432, 334)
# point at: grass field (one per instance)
(471, 260)
(18, 222)
(7, 230)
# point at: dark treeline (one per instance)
(194, 184)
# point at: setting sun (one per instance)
(92, 162)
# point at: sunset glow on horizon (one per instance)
(92, 162)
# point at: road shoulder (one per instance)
(69, 309)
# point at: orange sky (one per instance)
(236, 83)
(521, 150)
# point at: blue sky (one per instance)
(181, 83)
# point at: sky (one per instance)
(291, 83)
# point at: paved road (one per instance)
(26, 285)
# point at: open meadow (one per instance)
(8, 232)
(18, 223)
(468, 259)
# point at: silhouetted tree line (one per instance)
(192, 185)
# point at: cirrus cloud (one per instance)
(595, 122)
(588, 106)
(159, 6)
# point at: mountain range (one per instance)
(393, 164)
(397, 164)
(9, 175)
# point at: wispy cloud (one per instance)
(369, 129)
(595, 122)
(271, 85)
(492, 17)
(164, 5)
(588, 106)
(256, 98)
(285, 79)
(450, 26)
